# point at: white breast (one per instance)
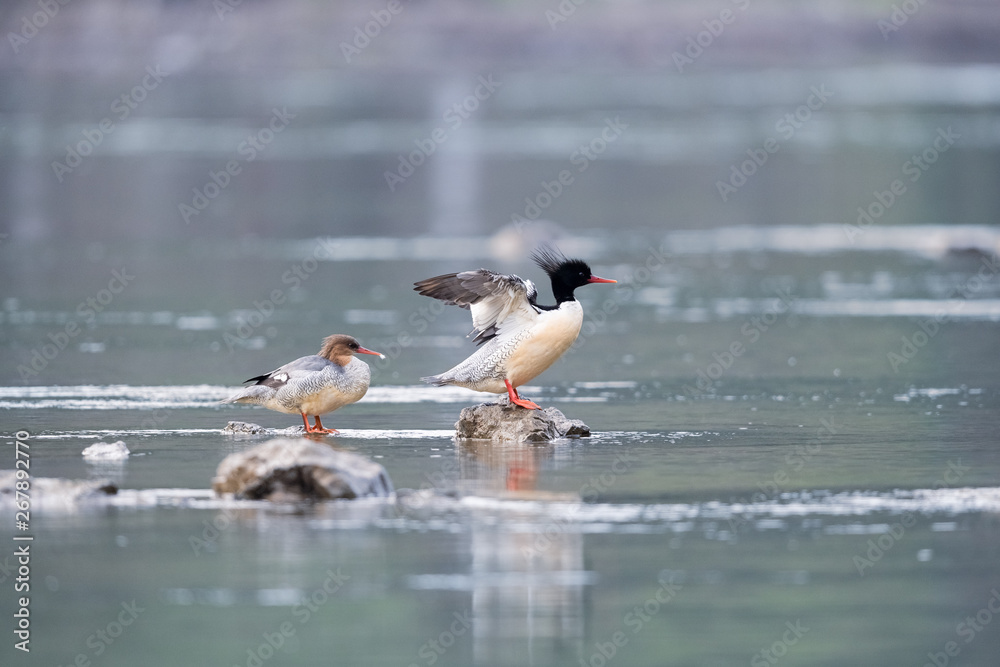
(317, 393)
(552, 334)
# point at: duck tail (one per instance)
(257, 394)
(437, 380)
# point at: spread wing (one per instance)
(499, 303)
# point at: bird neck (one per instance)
(562, 292)
(336, 354)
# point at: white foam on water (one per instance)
(344, 433)
(846, 513)
(933, 393)
(469, 582)
(931, 241)
(102, 433)
(942, 309)
(228, 597)
(610, 384)
(133, 397)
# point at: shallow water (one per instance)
(806, 493)
(794, 442)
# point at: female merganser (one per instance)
(522, 338)
(313, 385)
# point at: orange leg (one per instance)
(517, 400)
(319, 426)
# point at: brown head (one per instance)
(339, 349)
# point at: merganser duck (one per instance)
(520, 338)
(313, 385)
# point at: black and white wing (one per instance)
(294, 370)
(500, 303)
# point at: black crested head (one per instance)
(566, 274)
(549, 258)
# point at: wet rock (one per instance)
(55, 493)
(504, 422)
(246, 428)
(106, 451)
(299, 469)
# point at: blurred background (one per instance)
(359, 95)
(208, 147)
(205, 147)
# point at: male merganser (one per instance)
(522, 338)
(315, 384)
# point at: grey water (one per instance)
(794, 411)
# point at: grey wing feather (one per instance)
(280, 376)
(491, 297)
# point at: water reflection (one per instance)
(527, 578)
(527, 585)
(489, 468)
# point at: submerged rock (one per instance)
(54, 492)
(106, 451)
(504, 422)
(246, 428)
(299, 469)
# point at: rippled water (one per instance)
(807, 484)
(794, 450)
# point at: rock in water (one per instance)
(49, 493)
(503, 422)
(106, 451)
(255, 429)
(299, 469)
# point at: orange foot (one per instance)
(517, 400)
(318, 428)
